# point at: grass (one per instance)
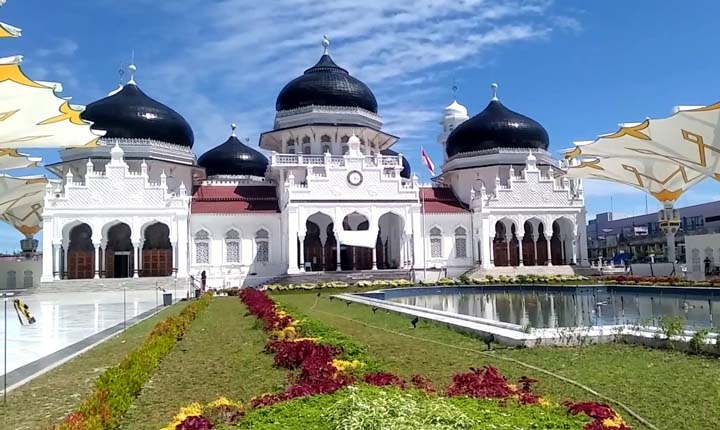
(44, 401)
(221, 355)
(670, 389)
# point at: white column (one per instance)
(65, 247)
(337, 253)
(136, 259)
(549, 249)
(301, 239)
(574, 250)
(485, 244)
(183, 249)
(521, 236)
(174, 258)
(56, 259)
(292, 237)
(47, 246)
(670, 239)
(97, 261)
(103, 266)
(535, 238)
(323, 241)
(374, 255)
(581, 228)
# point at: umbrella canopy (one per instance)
(22, 191)
(689, 138)
(7, 30)
(665, 180)
(33, 116)
(26, 218)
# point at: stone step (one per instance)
(532, 270)
(111, 284)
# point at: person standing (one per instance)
(203, 281)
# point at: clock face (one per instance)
(355, 178)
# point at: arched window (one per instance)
(202, 247)
(291, 146)
(345, 149)
(306, 149)
(11, 282)
(28, 279)
(435, 243)
(232, 246)
(326, 149)
(460, 243)
(262, 243)
(344, 139)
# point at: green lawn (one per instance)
(44, 401)
(671, 390)
(220, 356)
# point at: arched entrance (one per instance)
(388, 247)
(157, 251)
(561, 248)
(528, 245)
(506, 247)
(81, 253)
(319, 243)
(542, 246)
(119, 252)
(355, 257)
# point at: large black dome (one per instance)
(406, 171)
(131, 114)
(233, 158)
(326, 84)
(497, 127)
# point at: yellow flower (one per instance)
(544, 402)
(192, 410)
(613, 422)
(347, 366)
(224, 401)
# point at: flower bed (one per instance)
(391, 283)
(325, 365)
(658, 280)
(116, 388)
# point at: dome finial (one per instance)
(132, 69)
(494, 88)
(455, 89)
(325, 44)
(233, 126)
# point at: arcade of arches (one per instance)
(533, 245)
(321, 249)
(116, 256)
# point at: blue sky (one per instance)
(579, 68)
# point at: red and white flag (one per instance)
(427, 161)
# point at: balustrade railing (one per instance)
(332, 160)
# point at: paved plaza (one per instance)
(64, 317)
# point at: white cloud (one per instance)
(64, 48)
(395, 47)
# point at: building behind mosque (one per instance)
(331, 195)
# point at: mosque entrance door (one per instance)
(157, 251)
(119, 252)
(81, 253)
(121, 265)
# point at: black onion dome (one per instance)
(132, 114)
(233, 158)
(497, 127)
(326, 84)
(406, 171)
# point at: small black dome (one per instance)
(406, 171)
(131, 114)
(497, 127)
(233, 158)
(326, 84)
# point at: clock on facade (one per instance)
(354, 178)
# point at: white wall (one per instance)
(447, 223)
(222, 274)
(10, 264)
(697, 247)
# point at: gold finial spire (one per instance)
(494, 88)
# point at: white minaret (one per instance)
(453, 115)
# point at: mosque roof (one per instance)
(210, 199)
(440, 200)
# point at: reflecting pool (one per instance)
(575, 307)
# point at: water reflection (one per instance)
(581, 307)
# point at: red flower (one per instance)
(422, 383)
(382, 379)
(195, 423)
(480, 383)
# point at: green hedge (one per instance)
(118, 386)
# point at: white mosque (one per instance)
(330, 196)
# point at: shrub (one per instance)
(116, 388)
(603, 416)
(697, 341)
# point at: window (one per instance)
(28, 279)
(11, 282)
(435, 243)
(291, 146)
(345, 149)
(696, 263)
(306, 140)
(326, 149)
(232, 247)
(306, 149)
(344, 139)
(202, 247)
(460, 243)
(262, 243)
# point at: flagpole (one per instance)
(422, 212)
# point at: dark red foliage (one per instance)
(195, 423)
(382, 379)
(598, 412)
(422, 383)
(526, 396)
(262, 306)
(291, 355)
(481, 383)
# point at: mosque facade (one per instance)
(325, 192)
